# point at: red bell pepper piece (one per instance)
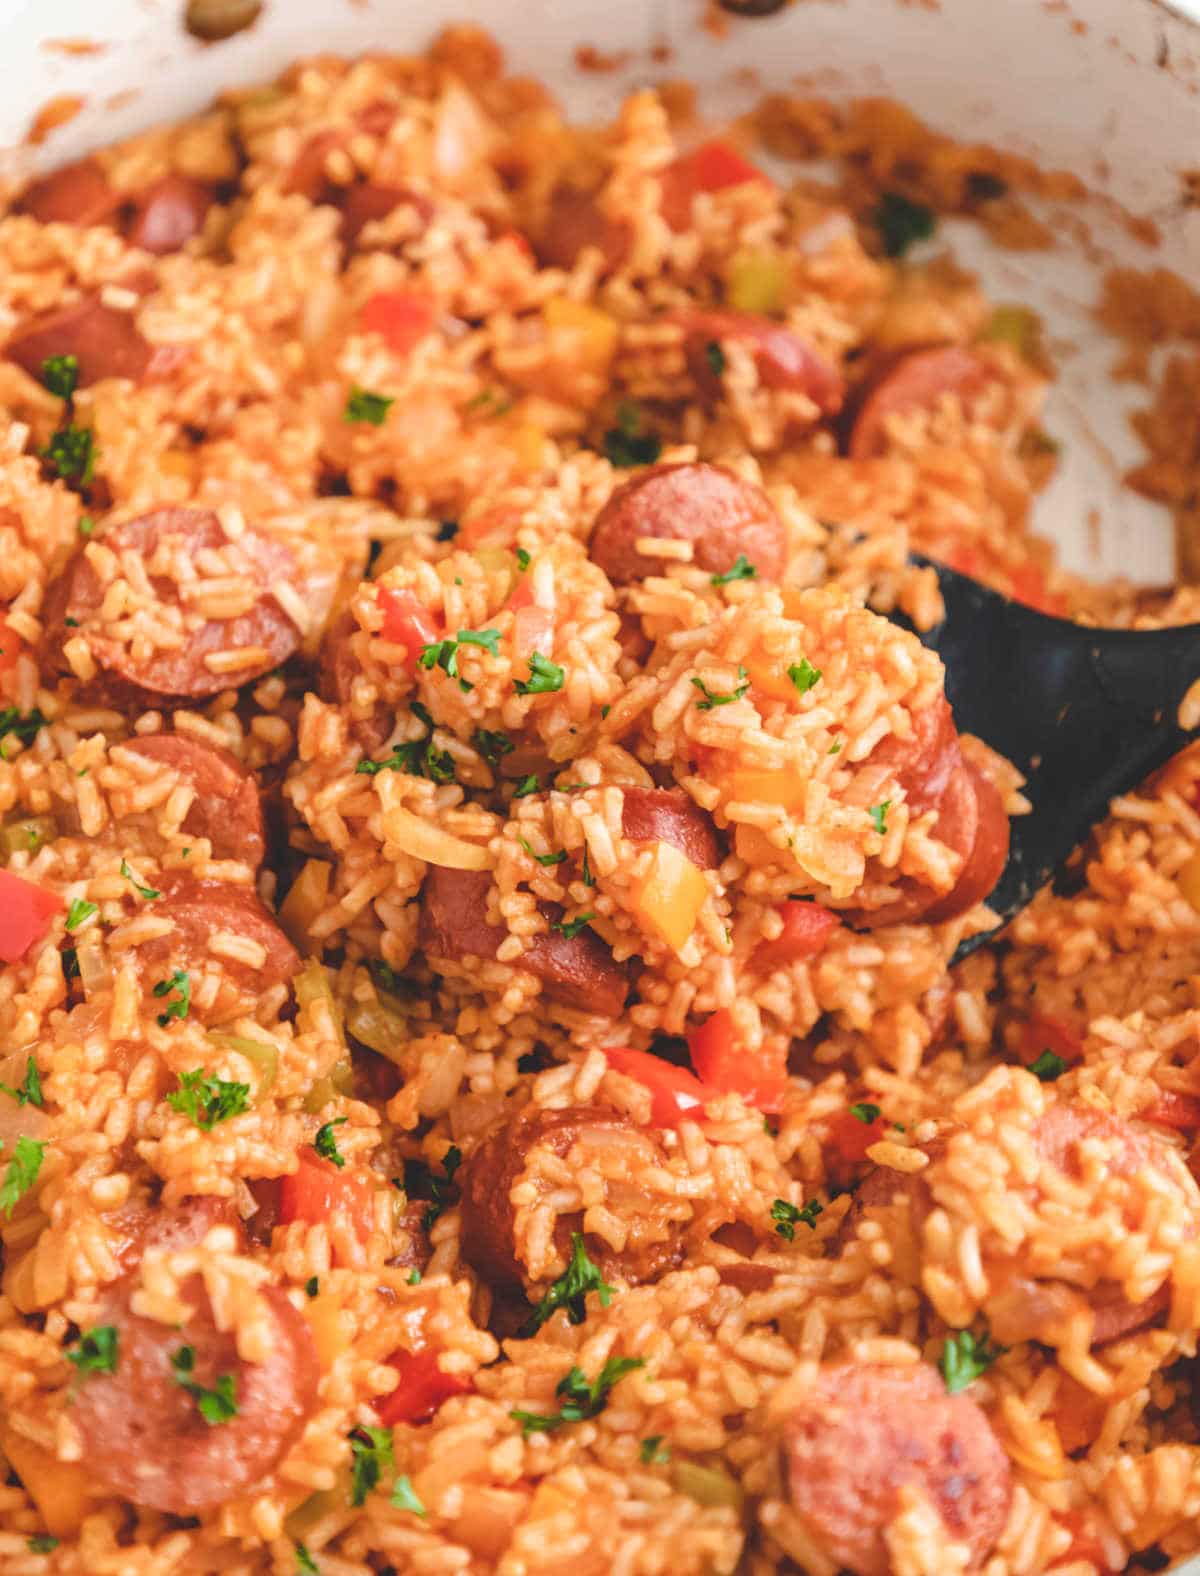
(26, 912)
(401, 317)
(676, 1093)
(318, 1192)
(1045, 1031)
(726, 1067)
(10, 646)
(406, 622)
(806, 929)
(850, 1137)
(421, 1387)
(709, 168)
(1170, 1108)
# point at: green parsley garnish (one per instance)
(324, 1143)
(901, 223)
(71, 454)
(60, 374)
(95, 1352)
(629, 443)
(22, 1173)
(788, 1216)
(570, 1291)
(19, 727)
(742, 569)
(418, 758)
(444, 653)
(710, 699)
(207, 1101)
(835, 748)
(1048, 1067)
(30, 1092)
(217, 1405)
(312, 1286)
(570, 928)
(878, 814)
(372, 1457)
(652, 1451)
(581, 1399)
(492, 745)
(522, 559)
(404, 1497)
(441, 1189)
(80, 910)
(715, 357)
(86, 525)
(362, 405)
(865, 1112)
(41, 1543)
(544, 677)
(414, 1278)
(589, 879)
(803, 675)
(964, 1358)
(526, 786)
(179, 991)
(148, 892)
(543, 859)
(305, 1562)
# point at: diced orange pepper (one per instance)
(669, 896)
(580, 334)
(527, 442)
(770, 677)
(59, 1489)
(762, 787)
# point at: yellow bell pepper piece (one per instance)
(306, 899)
(669, 897)
(331, 1326)
(582, 334)
(1189, 881)
(526, 442)
(770, 677)
(762, 787)
(59, 1489)
(756, 282)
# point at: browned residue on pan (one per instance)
(54, 113)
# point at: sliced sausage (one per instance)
(227, 809)
(575, 222)
(914, 381)
(454, 921)
(203, 909)
(75, 194)
(784, 360)
(369, 201)
(989, 852)
(668, 815)
(922, 763)
(866, 1431)
(169, 213)
(579, 1134)
(179, 549)
(145, 1227)
(337, 670)
(144, 1436)
(881, 1190)
(106, 343)
(716, 511)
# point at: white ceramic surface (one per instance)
(1107, 88)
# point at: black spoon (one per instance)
(1084, 714)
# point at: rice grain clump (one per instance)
(485, 1087)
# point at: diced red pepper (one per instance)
(318, 1192)
(850, 1137)
(1029, 587)
(806, 929)
(401, 317)
(10, 646)
(421, 1387)
(709, 168)
(1045, 1031)
(676, 1093)
(533, 630)
(26, 912)
(1170, 1108)
(407, 623)
(726, 1067)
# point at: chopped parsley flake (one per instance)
(629, 443)
(22, 1173)
(441, 1189)
(570, 1290)
(148, 892)
(522, 559)
(178, 990)
(86, 525)
(417, 758)
(79, 911)
(710, 699)
(570, 928)
(71, 454)
(414, 1278)
(788, 1216)
(218, 1405)
(404, 1497)
(207, 1101)
(96, 1350)
(835, 748)
(1048, 1067)
(60, 374)
(581, 1399)
(444, 653)
(803, 675)
(901, 223)
(742, 569)
(312, 1286)
(305, 1562)
(362, 405)
(589, 879)
(41, 1543)
(526, 786)
(715, 357)
(878, 814)
(964, 1358)
(543, 859)
(325, 1145)
(865, 1112)
(30, 1092)
(652, 1451)
(544, 677)
(18, 726)
(372, 1457)
(492, 745)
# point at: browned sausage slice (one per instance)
(988, 855)
(917, 381)
(143, 1434)
(369, 201)
(716, 511)
(226, 809)
(75, 194)
(337, 670)
(922, 763)
(179, 550)
(668, 815)
(487, 1178)
(143, 1227)
(576, 221)
(957, 826)
(784, 360)
(866, 1431)
(203, 909)
(454, 920)
(105, 342)
(169, 213)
